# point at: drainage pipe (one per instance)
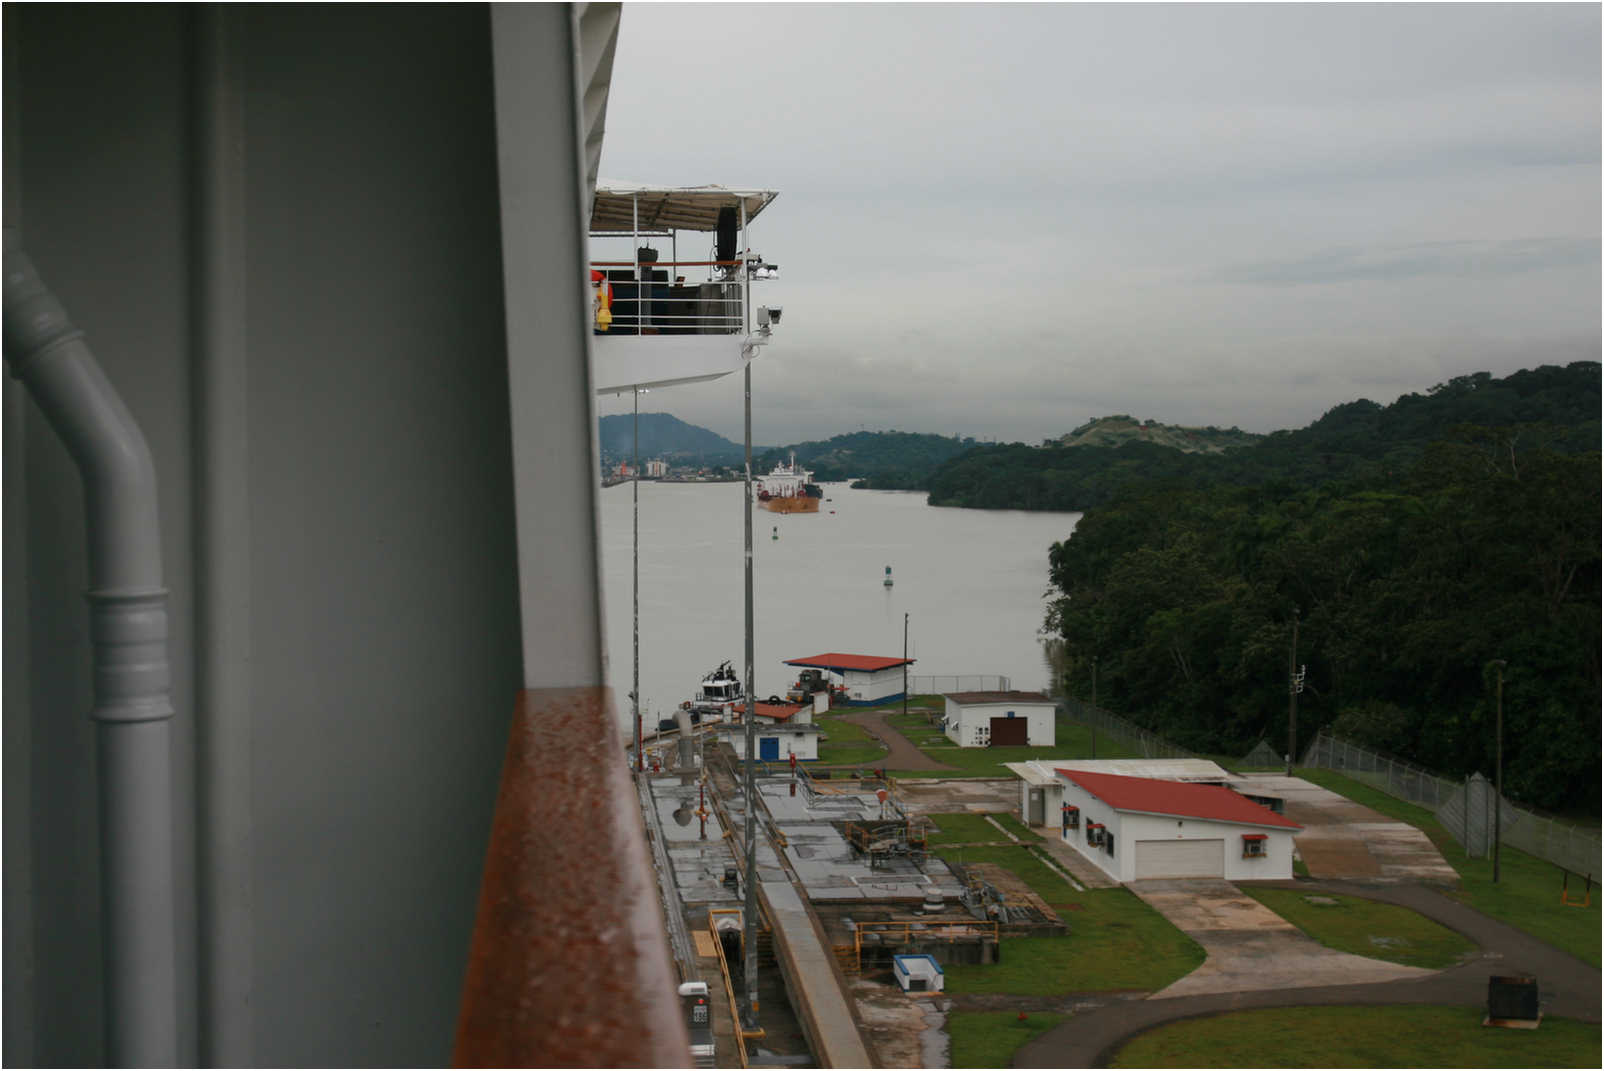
(128, 628)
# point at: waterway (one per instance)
(971, 582)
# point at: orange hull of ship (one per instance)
(797, 504)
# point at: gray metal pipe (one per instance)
(128, 628)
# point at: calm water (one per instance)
(971, 582)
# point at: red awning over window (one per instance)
(1253, 836)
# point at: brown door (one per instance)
(1010, 731)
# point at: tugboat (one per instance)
(720, 690)
(789, 489)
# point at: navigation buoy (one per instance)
(888, 576)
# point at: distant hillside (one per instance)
(1553, 407)
(668, 437)
(884, 460)
(1120, 429)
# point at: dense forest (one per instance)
(883, 460)
(1358, 440)
(1417, 544)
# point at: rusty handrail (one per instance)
(569, 963)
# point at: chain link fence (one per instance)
(1465, 808)
(973, 682)
(1151, 745)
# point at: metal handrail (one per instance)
(569, 930)
(724, 973)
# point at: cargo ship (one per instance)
(789, 489)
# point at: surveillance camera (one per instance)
(774, 314)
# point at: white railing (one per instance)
(660, 298)
(972, 682)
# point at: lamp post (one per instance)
(634, 696)
(1293, 684)
(1498, 771)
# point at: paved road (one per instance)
(1568, 987)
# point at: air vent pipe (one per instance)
(128, 629)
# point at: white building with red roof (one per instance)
(782, 730)
(866, 679)
(1135, 828)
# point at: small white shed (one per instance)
(782, 730)
(918, 974)
(981, 719)
(1135, 828)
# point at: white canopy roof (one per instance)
(668, 208)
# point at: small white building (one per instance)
(1137, 827)
(866, 679)
(980, 719)
(919, 974)
(656, 468)
(782, 730)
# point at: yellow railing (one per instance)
(724, 972)
(902, 933)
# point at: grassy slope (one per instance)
(847, 744)
(1406, 1036)
(989, 1039)
(1367, 928)
(1115, 941)
(1527, 896)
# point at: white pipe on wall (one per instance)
(128, 629)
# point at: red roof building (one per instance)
(866, 679)
(1177, 799)
(838, 663)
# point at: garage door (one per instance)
(1180, 859)
(1010, 731)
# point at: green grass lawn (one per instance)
(1526, 897)
(1017, 828)
(848, 744)
(962, 829)
(1400, 1036)
(1367, 927)
(989, 1039)
(1115, 940)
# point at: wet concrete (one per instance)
(1249, 946)
(1344, 840)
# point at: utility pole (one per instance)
(1293, 685)
(1094, 706)
(749, 913)
(1498, 797)
(905, 668)
(634, 695)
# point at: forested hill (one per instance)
(1464, 530)
(1354, 440)
(668, 437)
(1121, 428)
(884, 460)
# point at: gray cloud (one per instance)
(1002, 220)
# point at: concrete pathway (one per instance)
(1101, 1022)
(1249, 946)
(1343, 840)
(1080, 868)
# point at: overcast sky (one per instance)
(1001, 221)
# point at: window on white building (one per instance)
(983, 736)
(1253, 845)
